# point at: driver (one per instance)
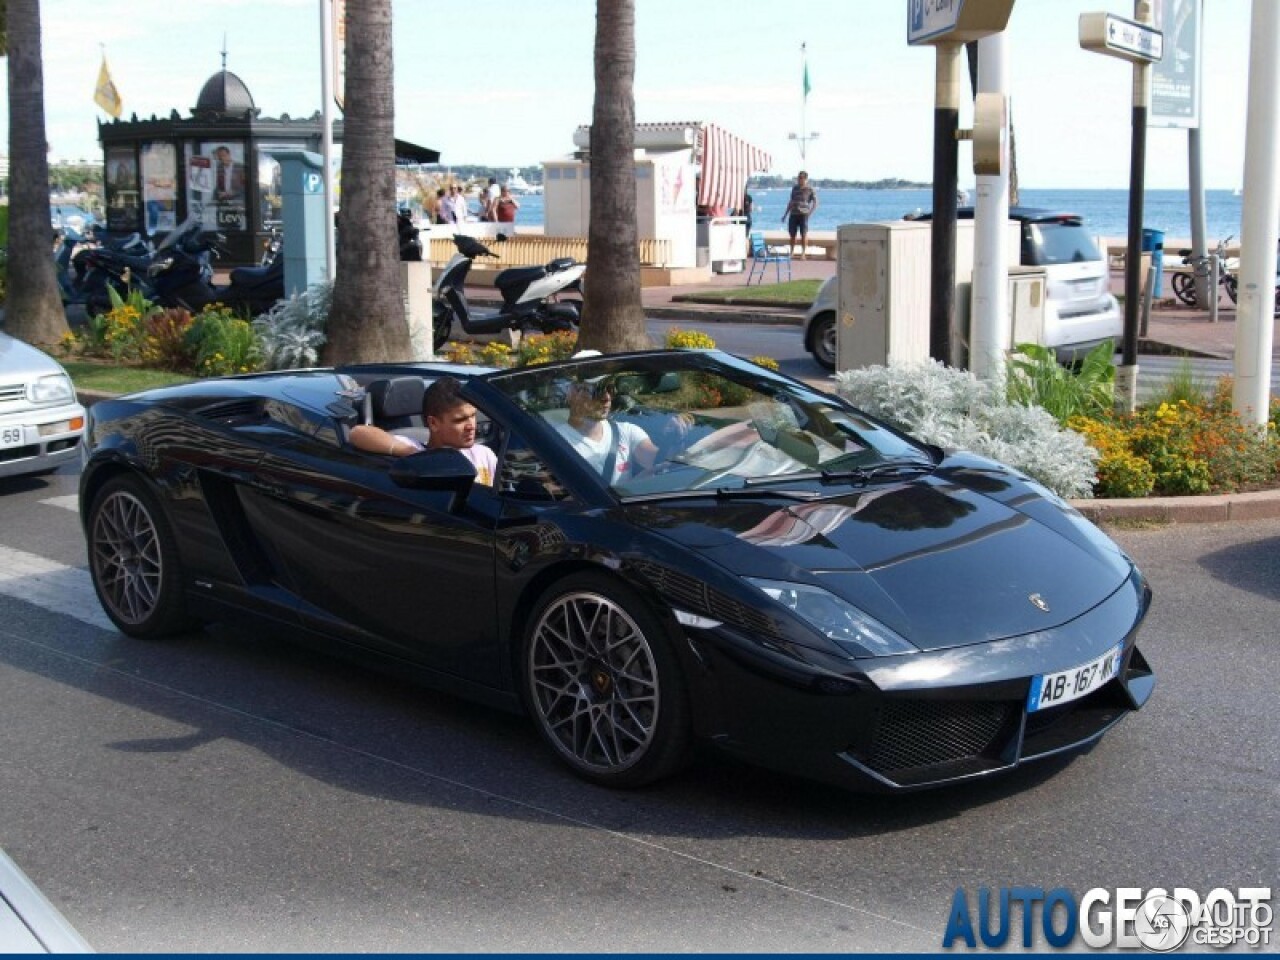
(595, 437)
(452, 422)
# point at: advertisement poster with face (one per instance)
(122, 189)
(159, 193)
(216, 177)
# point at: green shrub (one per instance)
(223, 343)
(1036, 379)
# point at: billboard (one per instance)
(1175, 79)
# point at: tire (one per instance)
(617, 713)
(441, 324)
(1184, 288)
(1231, 283)
(823, 340)
(134, 563)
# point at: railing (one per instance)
(534, 250)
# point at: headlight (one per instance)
(55, 388)
(855, 631)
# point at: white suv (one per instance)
(1079, 310)
(40, 419)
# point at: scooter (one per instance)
(86, 265)
(529, 295)
(182, 276)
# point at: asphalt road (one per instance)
(229, 791)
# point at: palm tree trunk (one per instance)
(367, 318)
(613, 318)
(33, 311)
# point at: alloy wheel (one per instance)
(126, 556)
(593, 681)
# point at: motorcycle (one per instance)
(86, 265)
(182, 276)
(529, 295)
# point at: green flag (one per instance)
(806, 78)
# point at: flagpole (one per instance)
(804, 136)
(326, 133)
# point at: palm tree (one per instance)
(367, 317)
(33, 311)
(613, 318)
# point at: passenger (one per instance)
(452, 422)
(594, 436)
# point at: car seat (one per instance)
(395, 405)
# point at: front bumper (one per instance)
(924, 720)
(51, 436)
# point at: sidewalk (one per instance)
(1174, 328)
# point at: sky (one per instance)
(506, 82)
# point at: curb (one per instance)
(1216, 508)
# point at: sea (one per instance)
(1106, 212)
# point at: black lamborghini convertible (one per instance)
(770, 571)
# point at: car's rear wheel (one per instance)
(133, 559)
(823, 344)
(603, 685)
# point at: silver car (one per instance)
(40, 419)
(820, 324)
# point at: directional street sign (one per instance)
(1118, 37)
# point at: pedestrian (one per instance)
(489, 200)
(443, 212)
(746, 212)
(803, 202)
(505, 207)
(458, 204)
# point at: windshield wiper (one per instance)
(882, 471)
(747, 491)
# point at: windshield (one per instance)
(669, 423)
(1061, 243)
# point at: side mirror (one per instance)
(443, 469)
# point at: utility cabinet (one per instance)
(884, 289)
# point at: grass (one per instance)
(793, 293)
(108, 378)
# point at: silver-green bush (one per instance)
(954, 409)
(292, 332)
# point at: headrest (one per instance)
(397, 397)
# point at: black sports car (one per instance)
(678, 546)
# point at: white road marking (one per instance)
(70, 502)
(51, 585)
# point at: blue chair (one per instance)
(762, 255)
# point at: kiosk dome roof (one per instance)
(224, 94)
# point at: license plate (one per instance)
(11, 437)
(1051, 689)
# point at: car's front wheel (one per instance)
(133, 560)
(823, 340)
(603, 685)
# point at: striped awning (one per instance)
(727, 161)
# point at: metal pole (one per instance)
(989, 333)
(1199, 242)
(946, 123)
(1258, 229)
(326, 133)
(1127, 373)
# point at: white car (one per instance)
(40, 419)
(1079, 309)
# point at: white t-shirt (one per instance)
(595, 452)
